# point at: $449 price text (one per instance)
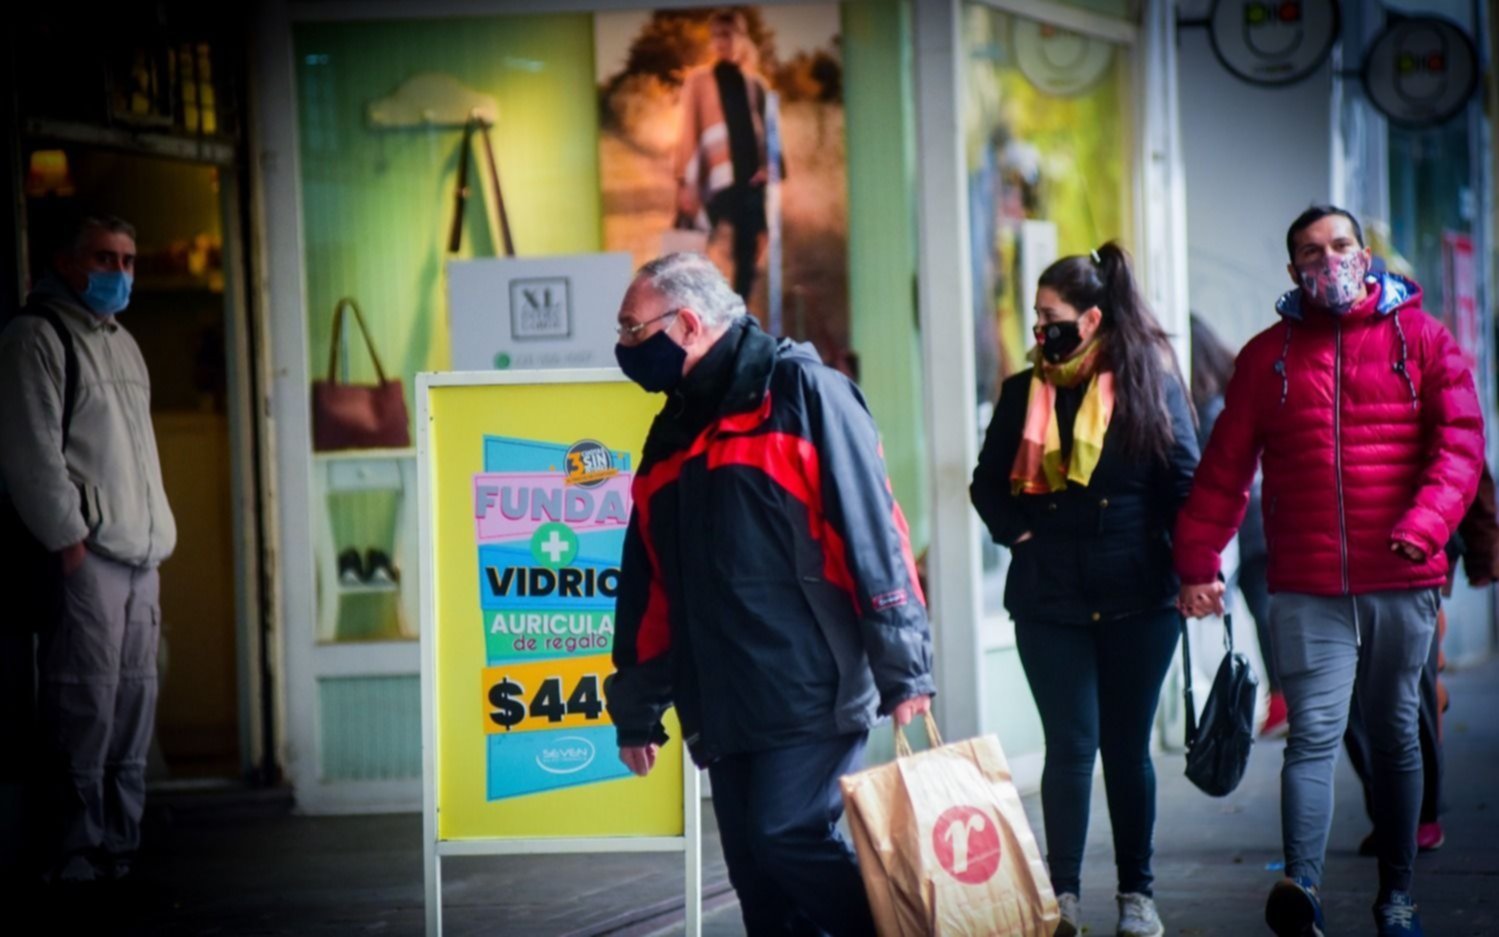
(548, 694)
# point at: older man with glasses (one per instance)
(767, 591)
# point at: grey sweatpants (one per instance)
(1325, 647)
(98, 705)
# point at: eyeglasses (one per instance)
(629, 333)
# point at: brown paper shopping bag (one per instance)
(944, 846)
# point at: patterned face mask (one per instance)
(1335, 283)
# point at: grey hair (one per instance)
(692, 281)
(78, 229)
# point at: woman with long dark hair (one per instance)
(1088, 456)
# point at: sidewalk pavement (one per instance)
(212, 870)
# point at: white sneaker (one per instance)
(1138, 917)
(1070, 925)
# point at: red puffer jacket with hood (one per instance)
(1369, 430)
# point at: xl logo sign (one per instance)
(541, 308)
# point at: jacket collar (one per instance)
(731, 379)
(52, 292)
(736, 370)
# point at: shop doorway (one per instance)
(186, 313)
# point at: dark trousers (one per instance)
(777, 813)
(1096, 685)
(743, 208)
(1361, 751)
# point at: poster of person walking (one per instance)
(722, 131)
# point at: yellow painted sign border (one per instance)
(455, 413)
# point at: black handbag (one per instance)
(1218, 744)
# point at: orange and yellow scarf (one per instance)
(1039, 468)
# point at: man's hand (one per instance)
(72, 558)
(1201, 600)
(640, 759)
(687, 200)
(1022, 538)
(1408, 550)
(907, 710)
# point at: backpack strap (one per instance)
(69, 363)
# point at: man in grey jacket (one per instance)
(79, 466)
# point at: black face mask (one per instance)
(655, 364)
(1058, 340)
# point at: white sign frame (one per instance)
(434, 849)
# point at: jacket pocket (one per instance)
(1023, 592)
(1270, 529)
(91, 506)
(838, 624)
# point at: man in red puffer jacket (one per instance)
(1365, 419)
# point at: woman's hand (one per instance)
(1200, 601)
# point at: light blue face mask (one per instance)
(108, 293)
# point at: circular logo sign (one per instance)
(966, 841)
(589, 464)
(1058, 62)
(1421, 71)
(1273, 43)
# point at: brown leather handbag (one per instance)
(357, 416)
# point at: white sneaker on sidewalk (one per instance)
(1070, 925)
(1138, 917)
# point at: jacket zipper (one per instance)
(140, 460)
(1337, 449)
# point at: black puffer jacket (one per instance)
(767, 587)
(1097, 552)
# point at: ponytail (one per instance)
(1135, 346)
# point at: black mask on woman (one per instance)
(1058, 340)
(655, 364)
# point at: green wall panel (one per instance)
(371, 728)
(882, 241)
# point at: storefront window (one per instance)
(602, 126)
(381, 108)
(1433, 208)
(1049, 141)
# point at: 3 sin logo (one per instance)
(966, 841)
(589, 464)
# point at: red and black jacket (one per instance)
(767, 589)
